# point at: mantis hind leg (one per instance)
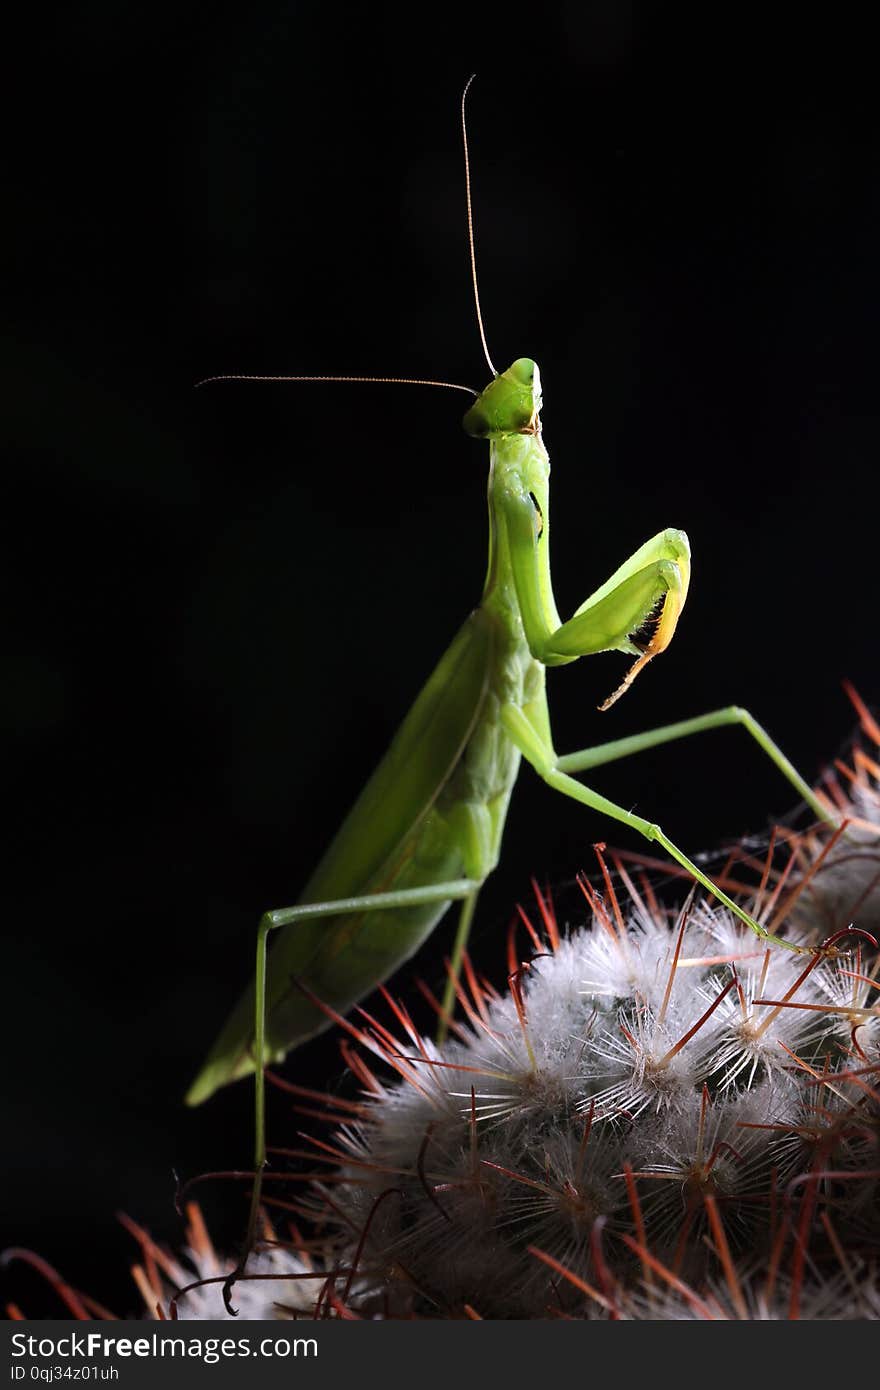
(465, 917)
(610, 752)
(543, 759)
(476, 836)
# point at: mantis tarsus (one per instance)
(426, 830)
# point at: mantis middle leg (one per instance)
(614, 749)
(648, 588)
(464, 889)
(537, 751)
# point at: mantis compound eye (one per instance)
(509, 404)
(522, 371)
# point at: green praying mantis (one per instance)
(427, 829)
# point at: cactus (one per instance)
(659, 1117)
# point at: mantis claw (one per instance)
(828, 949)
(662, 621)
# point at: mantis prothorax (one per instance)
(426, 830)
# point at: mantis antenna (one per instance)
(400, 380)
(470, 222)
(382, 380)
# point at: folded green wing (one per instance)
(375, 848)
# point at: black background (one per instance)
(224, 600)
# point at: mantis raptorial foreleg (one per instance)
(651, 586)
